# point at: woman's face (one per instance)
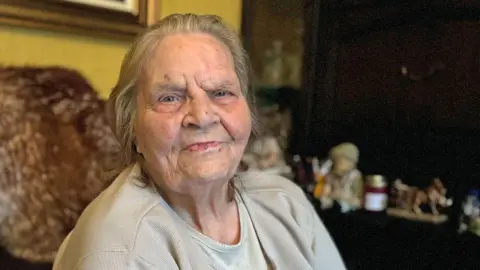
(193, 122)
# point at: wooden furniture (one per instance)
(121, 20)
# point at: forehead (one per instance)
(191, 55)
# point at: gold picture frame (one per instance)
(118, 19)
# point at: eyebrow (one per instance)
(167, 87)
(222, 85)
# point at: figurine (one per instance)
(338, 178)
(408, 201)
(320, 170)
(265, 154)
(266, 151)
(400, 195)
(470, 210)
(434, 195)
(274, 69)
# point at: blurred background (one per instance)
(399, 80)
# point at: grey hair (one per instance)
(121, 105)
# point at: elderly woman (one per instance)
(181, 112)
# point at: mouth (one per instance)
(203, 146)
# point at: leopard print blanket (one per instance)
(55, 145)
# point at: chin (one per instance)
(210, 165)
(209, 173)
(210, 178)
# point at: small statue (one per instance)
(470, 211)
(274, 70)
(400, 195)
(413, 198)
(343, 182)
(265, 154)
(434, 195)
(408, 201)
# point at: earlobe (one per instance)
(136, 147)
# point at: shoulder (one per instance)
(121, 207)
(277, 206)
(269, 183)
(257, 181)
(109, 225)
(275, 193)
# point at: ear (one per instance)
(137, 147)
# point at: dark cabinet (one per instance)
(419, 74)
(401, 79)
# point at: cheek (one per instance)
(238, 121)
(157, 133)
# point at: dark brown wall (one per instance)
(370, 86)
(418, 126)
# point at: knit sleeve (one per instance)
(324, 249)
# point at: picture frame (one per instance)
(117, 19)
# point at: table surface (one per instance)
(377, 241)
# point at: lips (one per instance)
(203, 146)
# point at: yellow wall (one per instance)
(97, 59)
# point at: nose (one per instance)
(200, 112)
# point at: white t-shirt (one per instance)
(247, 254)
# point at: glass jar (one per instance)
(375, 193)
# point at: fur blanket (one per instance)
(54, 146)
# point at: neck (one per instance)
(201, 205)
(209, 207)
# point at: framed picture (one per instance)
(119, 19)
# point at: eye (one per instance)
(221, 93)
(167, 99)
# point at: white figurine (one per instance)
(343, 183)
(266, 155)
